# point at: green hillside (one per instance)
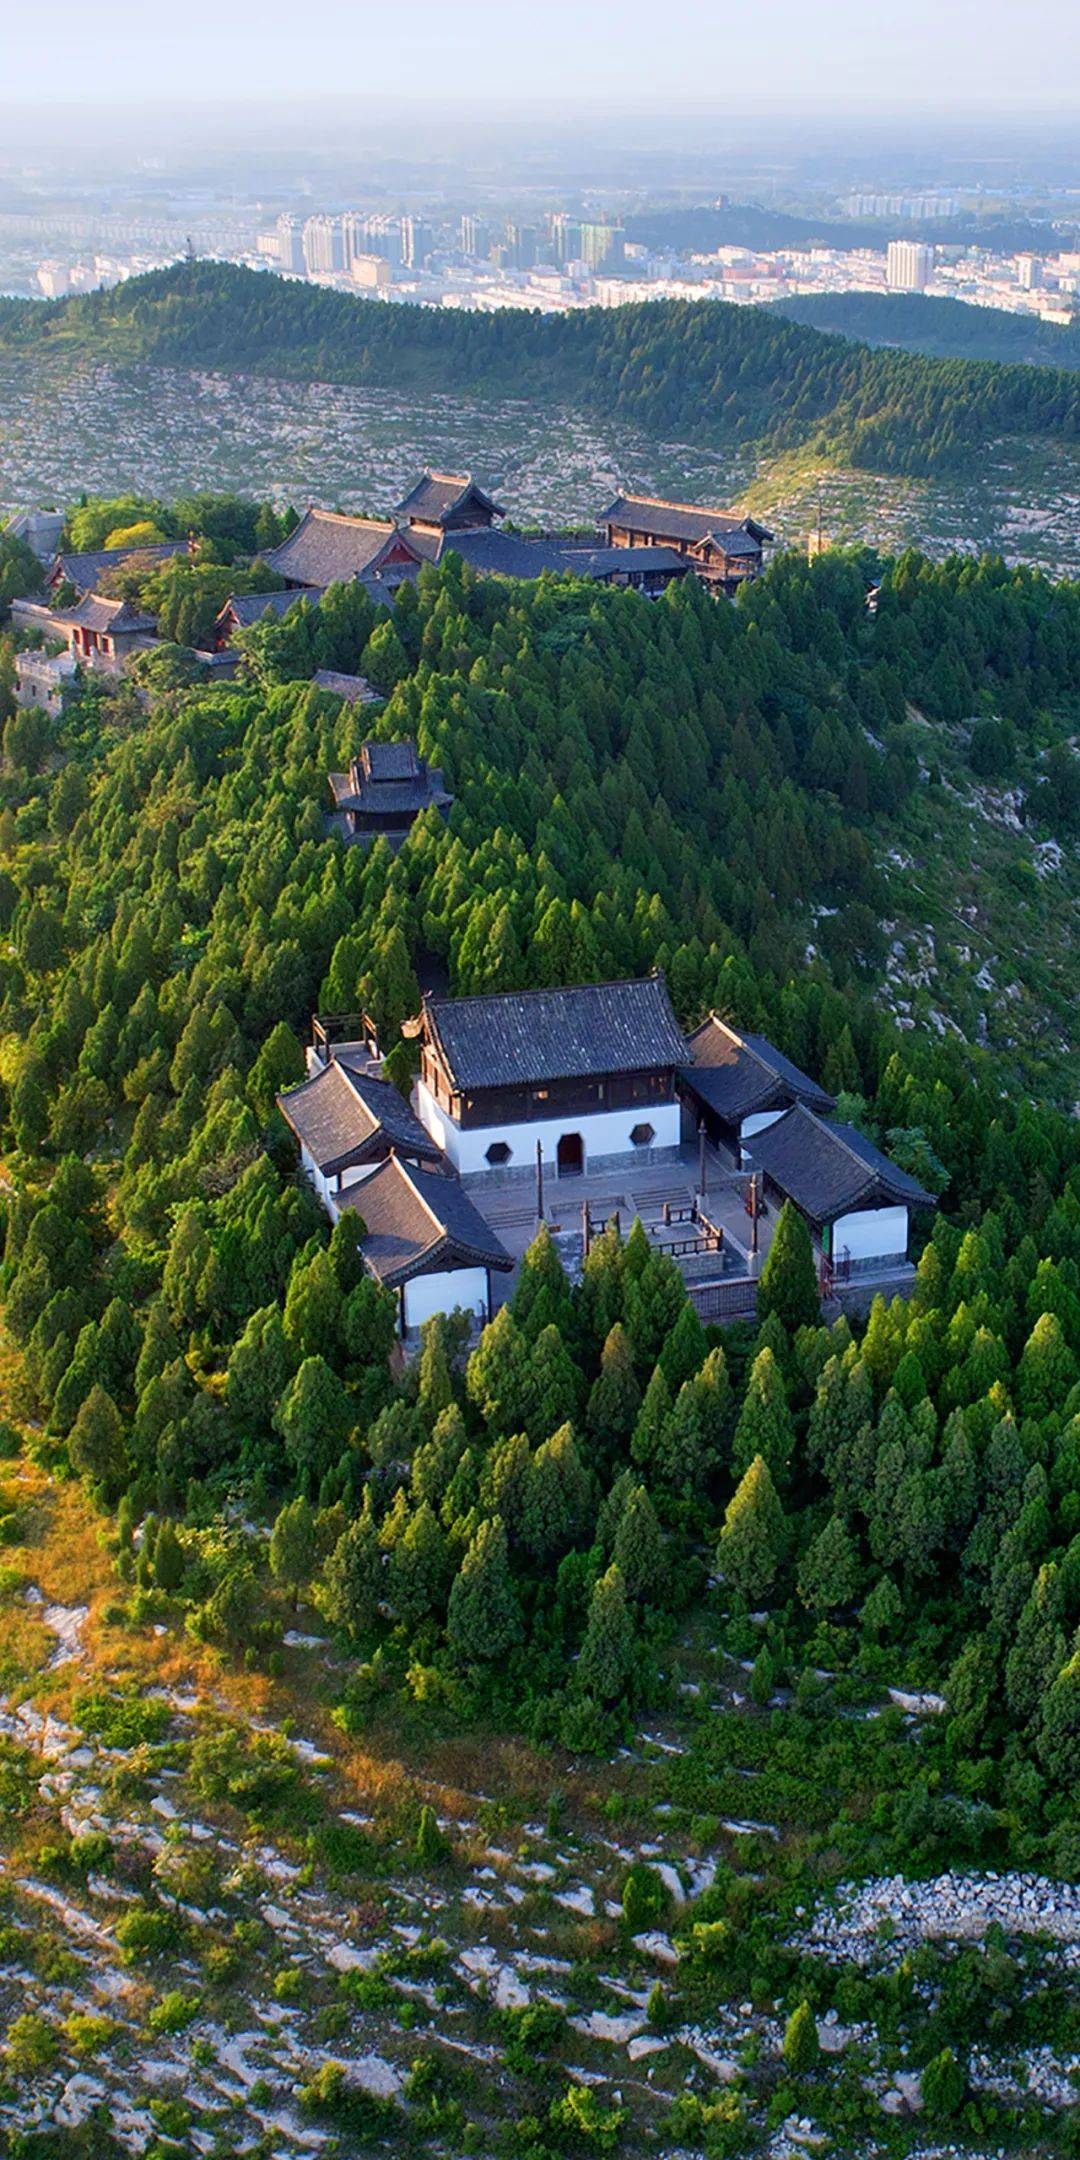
(942, 329)
(404, 1755)
(719, 373)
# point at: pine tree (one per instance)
(260, 1366)
(788, 1283)
(608, 1649)
(280, 1064)
(754, 1537)
(1059, 1727)
(483, 1619)
(944, 2085)
(313, 1306)
(96, 1440)
(542, 1295)
(293, 1548)
(556, 1497)
(353, 1578)
(615, 1397)
(552, 1385)
(435, 1392)
(168, 1558)
(685, 1350)
(764, 1426)
(648, 1434)
(829, 1569)
(1047, 1368)
(313, 1417)
(802, 2049)
(160, 1345)
(497, 1373)
(419, 1565)
(882, 1610)
(431, 1846)
(600, 1298)
(639, 1548)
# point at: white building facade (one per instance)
(581, 1077)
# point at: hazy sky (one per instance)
(717, 54)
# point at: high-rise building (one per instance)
(566, 237)
(1029, 272)
(323, 245)
(520, 246)
(601, 245)
(417, 241)
(908, 265)
(364, 233)
(290, 243)
(475, 236)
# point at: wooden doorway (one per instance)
(570, 1154)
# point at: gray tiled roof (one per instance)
(354, 688)
(344, 1117)
(504, 554)
(738, 1074)
(678, 521)
(249, 608)
(604, 562)
(93, 612)
(525, 1036)
(436, 495)
(416, 1224)
(85, 571)
(390, 760)
(326, 548)
(387, 778)
(827, 1167)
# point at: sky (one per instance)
(969, 56)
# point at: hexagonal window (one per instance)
(498, 1153)
(642, 1136)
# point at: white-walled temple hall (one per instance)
(421, 1236)
(347, 1121)
(855, 1200)
(585, 1075)
(739, 1084)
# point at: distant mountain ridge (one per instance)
(942, 329)
(713, 372)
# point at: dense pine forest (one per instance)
(715, 372)
(943, 329)
(515, 1536)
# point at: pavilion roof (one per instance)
(519, 1037)
(416, 1223)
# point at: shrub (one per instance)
(120, 1721)
(143, 1933)
(644, 1897)
(174, 2013)
(944, 2084)
(431, 1846)
(801, 2045)
(581, 2113)
(31, 2045)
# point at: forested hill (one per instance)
(943, 329)
(712, 372)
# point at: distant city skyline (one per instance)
(970, 58)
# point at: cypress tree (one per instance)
(483, 1619)
(788, 1282)
(615, 1397)
(607, 1651)
(754, 1536)
(764, 1427)
(639, 1548)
